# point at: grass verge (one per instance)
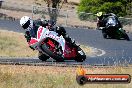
(13, 44)
(53, 77)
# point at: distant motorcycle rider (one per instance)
(31, 26)
(102, 18)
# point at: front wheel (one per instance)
(126, 37)
(80, 55)
(124, 34)
(104, 33)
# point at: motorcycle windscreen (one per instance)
(111, 21)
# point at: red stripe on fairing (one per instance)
(51, 43)
(33, 41)
(39, 31)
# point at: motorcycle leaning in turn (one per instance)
(112, 29)
(50, 44)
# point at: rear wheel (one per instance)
(80, 56)
(104, 33)
(53, 52)
(126, 37)
(42, 56)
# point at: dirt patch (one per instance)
(15, 14)
(27, 2)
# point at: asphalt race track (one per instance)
(117, 51)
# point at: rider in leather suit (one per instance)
(102, 18)
(31, 26)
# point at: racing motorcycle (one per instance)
(113, 30)
(50, 44)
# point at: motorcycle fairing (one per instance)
(53, 35)
(69, 52)
(43, 33)
(33, 43)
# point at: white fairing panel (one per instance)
(51, 34)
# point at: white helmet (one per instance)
(26, 22)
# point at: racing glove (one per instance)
(27, 36)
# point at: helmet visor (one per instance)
(26, 25)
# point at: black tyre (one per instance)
(55, 56)
(126, 37)
(105, 35)
(81, 79)
(42, 56)
(80, 56)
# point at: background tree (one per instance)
(119, 7)
(65, 1)
(53, 11)
(53, 6)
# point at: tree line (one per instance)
(119, 7)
